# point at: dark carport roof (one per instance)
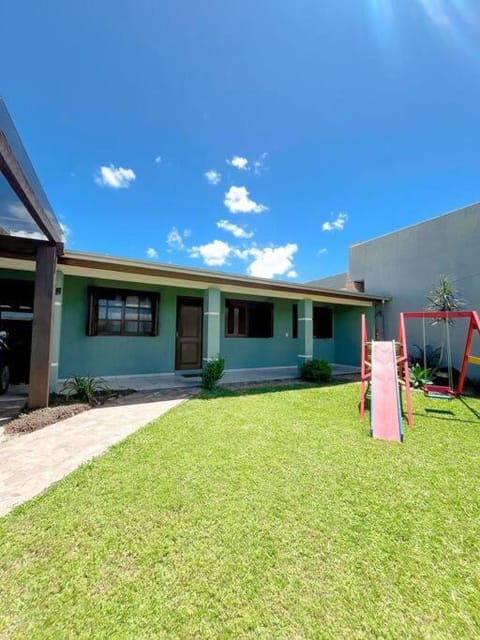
(26, 216)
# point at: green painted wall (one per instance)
(281, 350)
(348, 333)
(115, 355)
(13, 274)
(324, 349)
(122, 355)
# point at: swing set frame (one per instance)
(468, 358)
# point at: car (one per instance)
(4, 363)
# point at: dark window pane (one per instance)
(131, 327)
(131, 314)
(249, 319)
(322, 322)
(114, 313)
(132, 301)
(230, 312)
(113, 326)
(242, 321)
(260, 320)
(295, 321)
(119, 312)
(145, 302)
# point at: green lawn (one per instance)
(268, 515)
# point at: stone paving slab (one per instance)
(32, 462)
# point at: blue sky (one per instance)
(328, 122)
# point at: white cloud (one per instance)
(336, 225)
(175, 239)
(18, 210)
(214, 254)
(187, 233)
(213, 177)
(115, 177)
(238, 232)
(292, 274)
(237, 201)
(152, 253)
(158, 160)
(272, 261)
(66, 232)
(321, 251)
(22, 233)
(259, 164)
(239, 163)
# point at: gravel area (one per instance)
(33, 420)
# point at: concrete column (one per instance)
(211, 324)
(39, 383)
(305, 331)
(57, 327)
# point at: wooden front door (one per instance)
(188, 351)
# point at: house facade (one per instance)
(114, 317)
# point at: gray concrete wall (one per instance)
(338, 281)
(408, 263)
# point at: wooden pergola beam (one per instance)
(43, 305)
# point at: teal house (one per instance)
(116, 317)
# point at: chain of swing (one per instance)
(449, 352)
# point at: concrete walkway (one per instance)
(30, 463)
(150, 382)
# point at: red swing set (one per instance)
(385, 371)
(473, 325)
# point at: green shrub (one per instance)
(316, 371)
(85, 388)
(419, 376)
(212, 372)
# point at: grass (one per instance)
(262, 515)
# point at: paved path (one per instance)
(30, 463)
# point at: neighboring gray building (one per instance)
(407, 264)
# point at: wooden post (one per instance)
(42, 326)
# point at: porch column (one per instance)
(211, 324)
(57, 326)
(305, 332)
(42, 326)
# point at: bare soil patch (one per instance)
(61, 407)
(33, 420)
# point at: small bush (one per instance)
(419, 377)
(85, 388)
(212, 373)
(316, 371)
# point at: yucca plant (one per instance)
(444, 298)
(419, 377)
(85, 388)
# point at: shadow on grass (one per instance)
(471, 409)
(448, 416)
(260, 388)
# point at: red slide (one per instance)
(385, 412)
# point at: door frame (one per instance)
(197, 301)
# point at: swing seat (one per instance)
(438, 392)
